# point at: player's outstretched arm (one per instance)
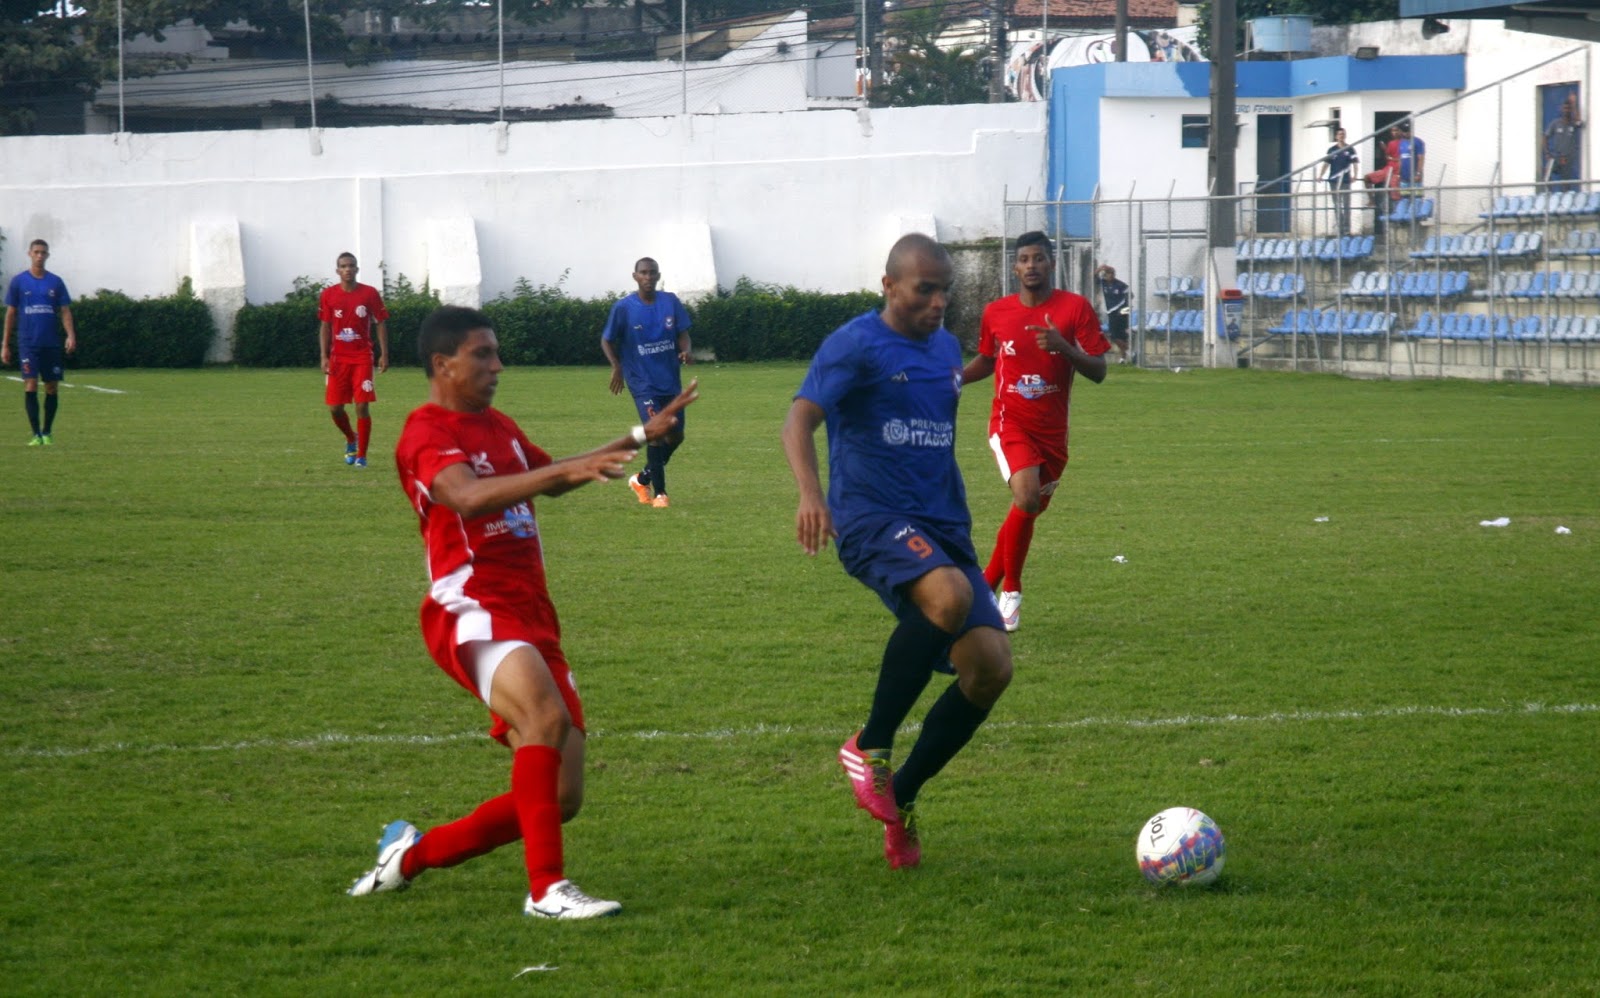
(459, 489)
(813, 522)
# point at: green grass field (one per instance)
(214, 696)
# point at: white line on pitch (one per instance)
(69, 384)
(757, 731)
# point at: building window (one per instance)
(1196, 131)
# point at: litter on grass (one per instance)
(532, 970)
(1499, 521)
(1320, 519)
(1563, 530)
(1120, 559)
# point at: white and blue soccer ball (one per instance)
(1180, 846)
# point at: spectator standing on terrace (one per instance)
(1561, 146)
(1339, 166)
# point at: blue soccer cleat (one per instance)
(398, 837)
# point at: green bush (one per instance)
(768, 322)
(284, 333)
(541, 325)
(118, 331)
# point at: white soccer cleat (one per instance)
(1010, 605)
(565, 900)
(398, 836)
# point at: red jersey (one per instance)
(350, 315)
(486, 574)
(1032, 387)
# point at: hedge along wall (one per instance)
(117, 331)
(542, 325)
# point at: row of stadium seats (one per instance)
(1263, 284)
(1419, 284)
(1461, 326)
(1579, 242)
(1334, 322)
(1539, 283)
(1410, 210)
(1478, 247)
(1188, 320)
(1326, 249)
(1561, 203)
(1444, 325)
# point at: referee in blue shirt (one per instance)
(887, 385)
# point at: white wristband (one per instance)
(639, 437)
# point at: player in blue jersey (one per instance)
(35, 301)
(887, 386)
(646, 339)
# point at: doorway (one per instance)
(1273, 206)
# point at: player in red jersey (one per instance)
(1033, 342)
(347, 311)
(471, 474)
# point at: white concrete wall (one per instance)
(804, 198)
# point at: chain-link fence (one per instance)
(1485, 282)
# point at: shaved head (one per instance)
(912, 247)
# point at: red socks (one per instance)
(363, 435)
(341, 419)
(535, 779)
(491, 826)
(530, 812)
(1004, 571)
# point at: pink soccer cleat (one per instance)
(871, 779)
(902, 847)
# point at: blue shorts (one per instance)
(884, 555)
(649, 405)
(44, 363)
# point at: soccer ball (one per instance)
(1180, 846)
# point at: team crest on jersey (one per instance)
(361, 311)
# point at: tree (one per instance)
(50, 65)
(1325, 11)
(923, 73)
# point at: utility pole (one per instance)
(997, 50)
(1223, 264)
(1224, 130)
(1122, 30)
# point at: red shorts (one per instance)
(1015, 451)
(445, 632)
(349, 381)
